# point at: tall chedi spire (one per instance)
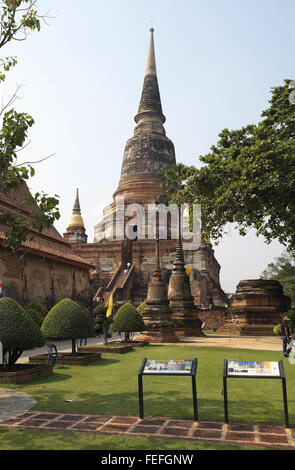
(150, 117)
(76, 230)
(149, 151)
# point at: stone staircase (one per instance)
(120, 286)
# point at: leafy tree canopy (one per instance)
(127, 320)
(248, 177)
(18, 331)
(17, 18)
(66, 320)
(283, 270)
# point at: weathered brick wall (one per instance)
(27, 277)
(213, 319)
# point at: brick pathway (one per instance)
(259, 435)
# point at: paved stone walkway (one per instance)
(14, 404)
(258, 435)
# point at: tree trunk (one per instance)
(73, 346)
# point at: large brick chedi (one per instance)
(255, 308)
(121, 241)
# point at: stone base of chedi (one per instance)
(185, 313)
(157, 316)
(256, 308)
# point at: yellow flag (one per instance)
(188, 269)
(110, 307)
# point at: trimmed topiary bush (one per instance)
(39, 307)
(35, 316)
(66, 320)
(127, 320)
(18, 331)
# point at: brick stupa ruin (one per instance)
(146, 155)
(157, 316)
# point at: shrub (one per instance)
(141, 307)
(39, 307)
(66, 320)
(18, 331)
(35, 316)
(127, 320)
(82, 306)
(99, 308)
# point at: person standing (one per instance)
(285, 332)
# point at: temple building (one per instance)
(123, 247)
(45, 269)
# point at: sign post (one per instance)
(254, 370)
(172, 368)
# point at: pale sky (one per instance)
(82, 77)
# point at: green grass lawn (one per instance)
(110, 386)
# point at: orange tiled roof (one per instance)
(49, 243)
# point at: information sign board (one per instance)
(254, 370)
(250, 368)
(186, 367)
(170, 367)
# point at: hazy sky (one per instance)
(82, 78)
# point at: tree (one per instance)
(283, 270)
(18, 331)
(127, 320)
(249, 176)
(66, 320)
(173, 181)
(35, 315)
(39, 307)
(18, 17)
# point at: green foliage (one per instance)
(66, 320)
(17, 17)
(82, 306)
(18, 331)
(39, 307)
(141, 307)
(35, 316)
(99, 308)
(283, 270)
(127, 320)
(173, 181)
(249, 176)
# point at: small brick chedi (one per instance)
(157, 315)
(120, 242)
(185, 313)
(255, 308)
